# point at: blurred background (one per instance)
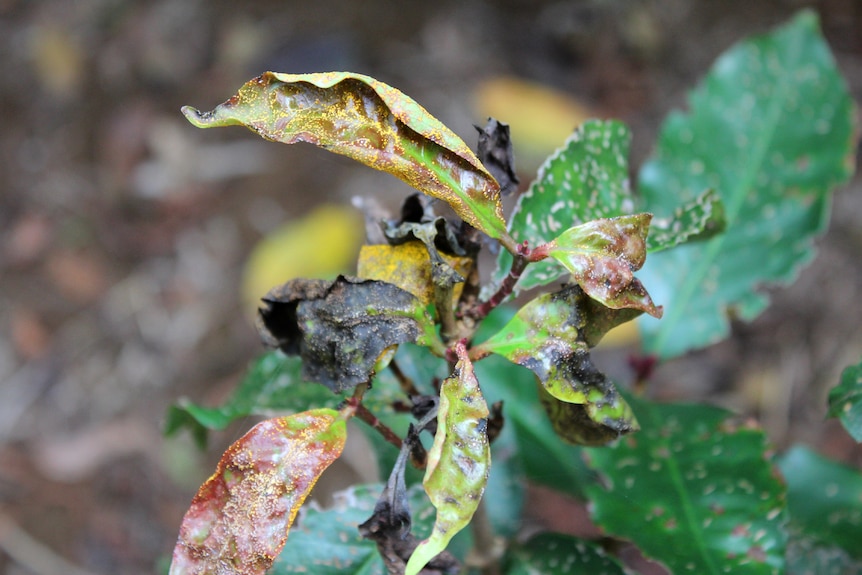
(132, 246)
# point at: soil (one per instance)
(124, 231)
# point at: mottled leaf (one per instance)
(771, 130)
(559, 554)
(373, 123)
(698, 219)
(344, 329)
(240, 517)
(693, 490)
(458, 461)
(845, 401)
(551, 336)
(602, 256)
(824, 498)
(273, 383)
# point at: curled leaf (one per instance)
(369, 121)
(341, 328)
(551, 336)
(603, 255)
(458, 461)
(239, 519)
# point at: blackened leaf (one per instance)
(551, 336)
(845, 401)
(458, 461)
(495, 152)
(240, 517)
(373, 123)
(602, 256)
(342, 328)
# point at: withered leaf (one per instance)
(495, 152)
(341, 328)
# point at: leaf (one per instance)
(698, 219)
(824, 498)
(272, 383)
(693, 490)
(327, 542)
(551, 336)
(341, 329)
(369, 121)
(771, 129)
(845, 401)
(239, 519)
(806, 556)
(458, 461)
(602, 255)
(558, 554)
(496, 154)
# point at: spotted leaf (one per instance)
(369, 121)
(555, 553)
(551, 336)
(845, 401)
(458, 461)
(771, 130)
(694, 490)
(239, 519)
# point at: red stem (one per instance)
(384, 430)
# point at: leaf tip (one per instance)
(197, 118)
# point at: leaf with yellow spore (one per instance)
(321, 245)
(239, 519)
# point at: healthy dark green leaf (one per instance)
(373, 123)
(240, 517)
(771, 130)
(458, 461)
(824, 498)
(693, 490)
(344, 330)
(558, 554)
(845, 401)
(273, 383)
(550, 337)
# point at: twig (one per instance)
(384, 430)
(506, 287)
(407, 385)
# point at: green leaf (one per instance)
(550, 337)
(771, 129)
(692, 490)
(369, 121)
(344, 330)
(458, 461)
(807, 556)
(558, 554)
(272, 383)
(239, 519)
(824, 498)
(602, 255)
(845, 401)
(327, 542)
(698, 219)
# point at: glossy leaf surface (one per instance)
(458, 461)
(602, 256)
(845, 401)
(240, 517)
(551, 336)
(771, 130)
(341, 329)
(273, 383)
(692, 490)
(824, 498)
(558, 554)
(373, 123)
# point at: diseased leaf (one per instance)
(495, 152)
(693, 490)
(771, 129)
(845, 401)
(369, 121)
(602, 255)
(808, 556)
(824, 498)
(272, 383)
(551, 336)
(558, 554)
(343, 330)
(698, 219)
(458, 461)
(240, 517)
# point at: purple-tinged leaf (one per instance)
(239, 519)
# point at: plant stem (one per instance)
(407, 385)
(506, 287)
(384, 430)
